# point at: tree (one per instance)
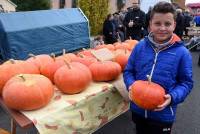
(31, 5)
(96, 11)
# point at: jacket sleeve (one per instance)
(184, 80)
(129, 71)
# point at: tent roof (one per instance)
(19, 21)
(42, 32)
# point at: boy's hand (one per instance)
(129, 93)
(165, 104)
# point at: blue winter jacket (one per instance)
(171, 68)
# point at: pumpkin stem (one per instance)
(67, 63)
(31, 55)
(53, 56)
(82, 56)
(12, 61)
(22, 77)
(64, 52)
(84, 49)
(126, 50)
(149, 79)
(130, 38)
(118, 37)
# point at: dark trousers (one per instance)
(147, 126)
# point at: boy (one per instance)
(163, 56)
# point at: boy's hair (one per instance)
(163, 7)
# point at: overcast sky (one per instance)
(192, 1)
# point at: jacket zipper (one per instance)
(151, 74)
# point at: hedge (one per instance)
(96, 11)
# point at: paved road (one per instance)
(187, 122)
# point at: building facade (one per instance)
(180, 3)
(7, 6)
(55, 4)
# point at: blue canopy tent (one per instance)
(42, 32)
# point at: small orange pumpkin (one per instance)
(27, 92)
(105, 70)
(50, 68)
(72, 78)
(122, 58)
(131, 43)
(85, 52)
(86, 60)
(13, 67)
(147, 95)
(40, 60)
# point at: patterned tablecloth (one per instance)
(80, 113)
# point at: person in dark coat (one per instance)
(179, 23)
(109, 30)
(134, 22)
(187, 20)
(119, 26)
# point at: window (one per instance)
(62, 3)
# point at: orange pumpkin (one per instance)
(72, 78)
(105, 71)
(147, 95)
(12, 67)
(120, 45)
(86, 52)
(122, 58)
(50, 68)
(131, 43)
(86, 60)
(40, 60)
(27, 92)
(66, 56)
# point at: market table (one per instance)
(80, 113)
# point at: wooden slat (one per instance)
(20, 119)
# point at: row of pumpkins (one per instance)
(27, 85)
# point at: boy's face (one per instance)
(162, 26)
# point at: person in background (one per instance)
(179, 23)
(134, 22)
(119, 26)
(163, 56)
(197, 21)
(109, 30)
(187, 20)
(98, 40)
(147, 21)
(122, 14)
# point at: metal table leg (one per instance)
(13, 126)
